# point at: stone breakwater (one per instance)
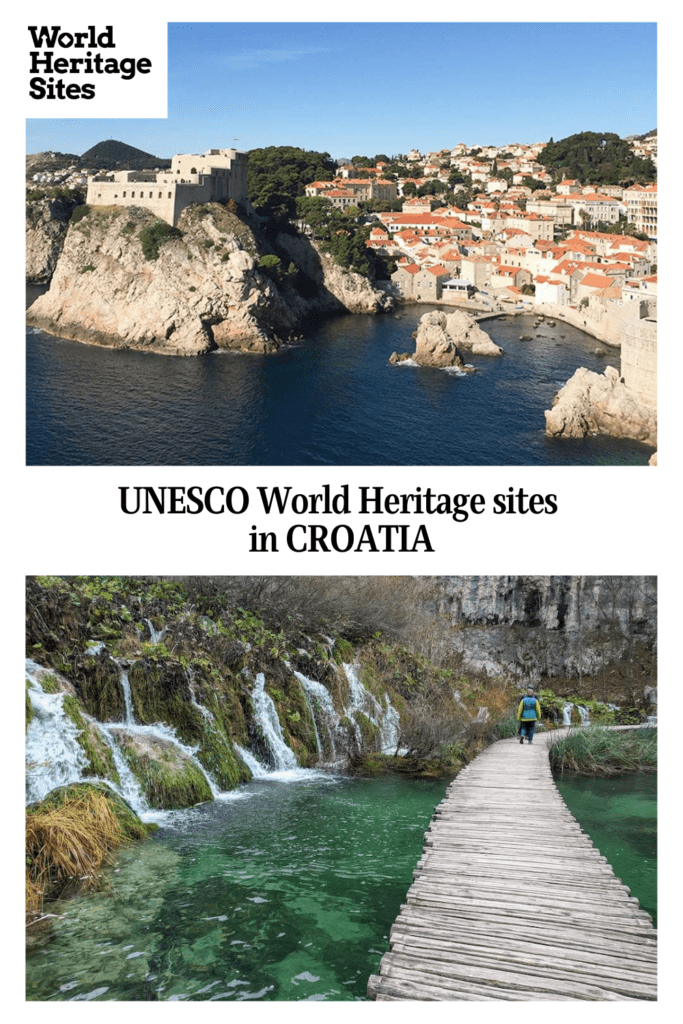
(204, 290)
(442, 338)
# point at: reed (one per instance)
(596, 751)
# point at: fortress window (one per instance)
(193, 170)
(132, 195)
(169, 195)
(159, 196)
(124, 195)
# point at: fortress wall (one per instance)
(105, 193)
(186, 195)
(639, 359)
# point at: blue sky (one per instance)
(367, 88)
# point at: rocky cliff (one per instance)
(567, 627)
(47, 221)
(600, 403)
(203, 290)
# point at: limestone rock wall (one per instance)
(47, 221)
(536, 627)
(204, 291)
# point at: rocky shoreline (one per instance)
(600, 403)
(206, 289)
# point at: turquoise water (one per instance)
(285, 891)
(620, 816)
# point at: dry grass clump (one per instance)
(69, 840)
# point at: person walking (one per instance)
(528, 713)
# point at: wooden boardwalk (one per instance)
(512, 901)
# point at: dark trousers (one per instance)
(527, 727)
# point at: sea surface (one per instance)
(285, 890)
(333, 399)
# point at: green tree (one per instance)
(278, 176)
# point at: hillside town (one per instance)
(519, 239)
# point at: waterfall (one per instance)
(127, 696)
(585, 715)
(322, 707)
(269, 723)
(155, 635)
(54, 757)
(204, 712)
(386, 720)
(567, 714)
(128, 787)
(390, 729)
(257, 769)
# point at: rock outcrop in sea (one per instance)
(600, 403)
(204, 290)
(441, 338)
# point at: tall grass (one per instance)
(70, 837)
(596, 751)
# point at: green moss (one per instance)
(161, 693)
(343, 651)
(369, 731)
(49, 684)
(413, 767)
(168, 780)
(216, 754)
(29, 707)
(100, 757)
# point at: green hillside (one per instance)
(111, 155)
(600, 158)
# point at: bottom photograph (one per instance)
(322, 788)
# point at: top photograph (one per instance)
(353, 244)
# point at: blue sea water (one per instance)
(333, 399)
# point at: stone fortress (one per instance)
(218, 174)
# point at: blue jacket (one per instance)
(529, 710)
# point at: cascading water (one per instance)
(585, 715)
(127, 696)
(386, 719)
(155, 635)
(54, 757)
(322, 708)
(257, 769)
(567, 714)
(269, 723)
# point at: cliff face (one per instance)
(203, 291)
(47, 221)
(534, 627)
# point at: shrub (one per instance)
(79, 213)
(153, 237)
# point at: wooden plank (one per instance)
(508, 906)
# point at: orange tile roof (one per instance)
(597, 281)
